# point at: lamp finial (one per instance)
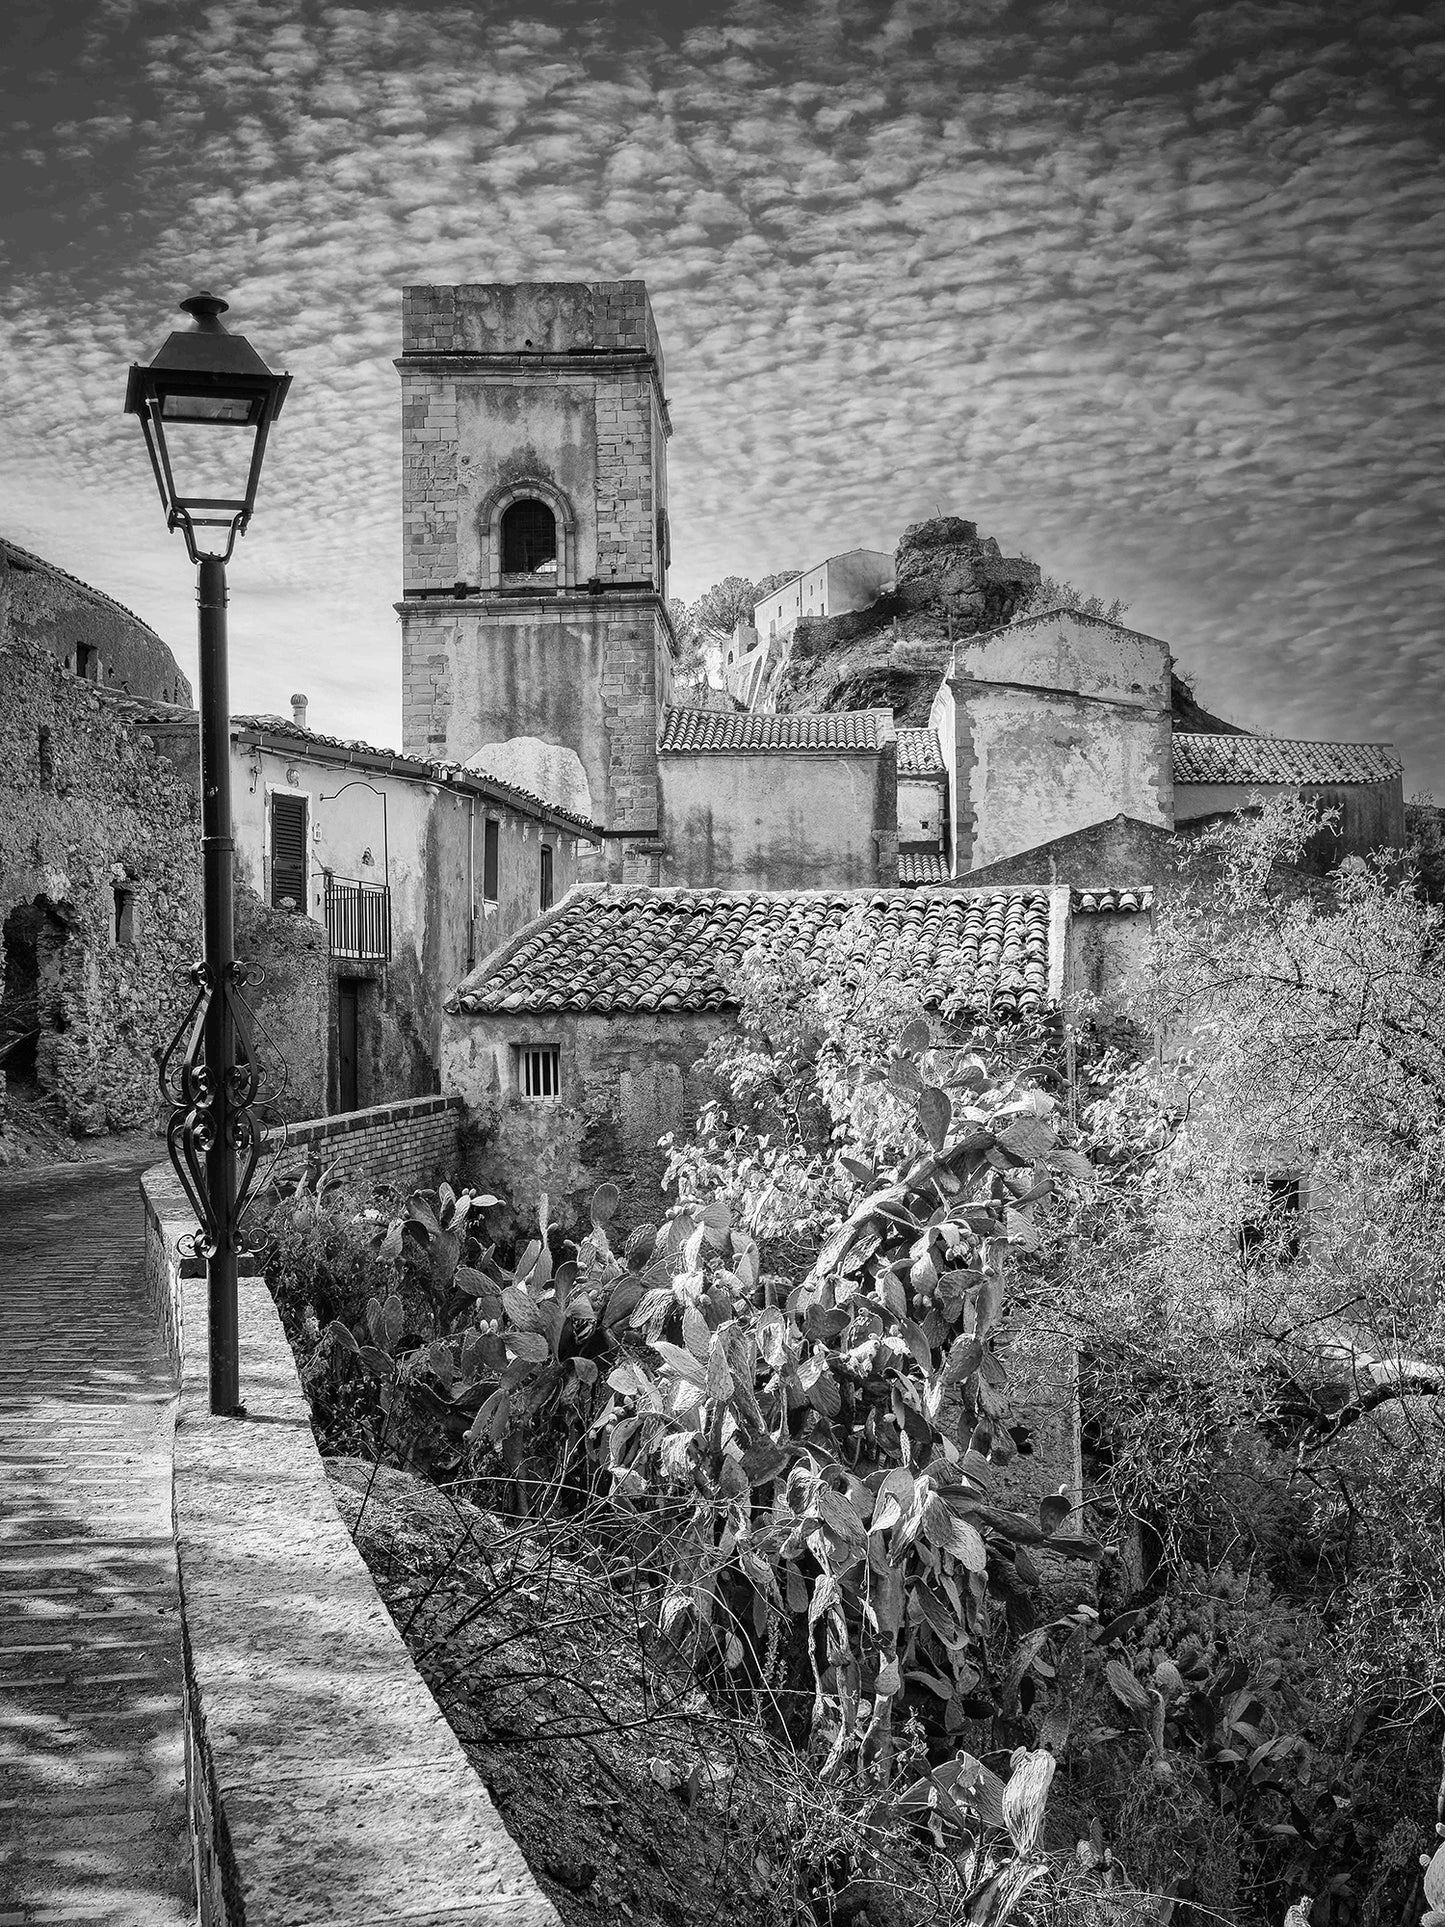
(206, 310)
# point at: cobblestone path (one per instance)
(92, 1775)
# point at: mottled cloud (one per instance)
(1149, 291)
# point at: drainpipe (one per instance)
(471, 883)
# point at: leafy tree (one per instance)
(1425, 846)
(1054, 593)
(712, 618)
(1257, 1286)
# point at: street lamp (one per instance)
(206, 404)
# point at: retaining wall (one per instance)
(323, 1783)
(405, 1144)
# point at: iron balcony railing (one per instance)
(358, 918)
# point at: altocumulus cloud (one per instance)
(1151, 291)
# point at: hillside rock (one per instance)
(950, 583)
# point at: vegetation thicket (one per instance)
(781, 1421)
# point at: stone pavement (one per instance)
(92, 1774)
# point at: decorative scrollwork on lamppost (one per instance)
(206, 405)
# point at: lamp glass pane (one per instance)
(208, 408)
(210, 459)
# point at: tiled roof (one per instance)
(389, 761)
(1261, 759)
(1088, 903)
(919, 753)
(715, 731)
(606, 948)
(922, 866)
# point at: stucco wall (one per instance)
(583, 675)
(1108, 952)
(1372, 815)
(779, 821)
(53, 609)
(428, 841)
(1056, 725)
(1119, 853)
(89, 802)
(922, 809)
(626, 1079)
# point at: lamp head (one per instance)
(206, 405)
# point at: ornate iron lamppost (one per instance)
(206, 404)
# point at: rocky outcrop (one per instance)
(950, 583)
(945, 566)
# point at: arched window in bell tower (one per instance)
(529, 539)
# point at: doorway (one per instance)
(347, 1012)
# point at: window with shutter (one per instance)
(288, 849)
(491, 859)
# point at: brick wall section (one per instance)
(624, 477)
(429, 481)
(629, 707)
(404, 1145)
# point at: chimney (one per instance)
(298, 711)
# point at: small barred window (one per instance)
(541, 1069)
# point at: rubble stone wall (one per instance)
(99, 887)
(69, 618)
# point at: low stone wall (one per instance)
(407, 1144)
(323, 1782)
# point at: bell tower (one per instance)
(536, 641)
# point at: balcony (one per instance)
(358, 918)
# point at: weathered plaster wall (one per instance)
(778, 821)
(1119, 853)
(625, 1081)
(1108, 952)
(89, 802)
(582, 675)
(1372, 815)
(61, 614)
(428, 841)
(922, 809)
(1056, 724)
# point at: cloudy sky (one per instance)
(1152, 291)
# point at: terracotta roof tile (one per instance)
(606, 948)
(922, 866)
(1089, 903)
(1263, 759)
(919, 753)
(696, 732)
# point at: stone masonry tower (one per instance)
(535, 636)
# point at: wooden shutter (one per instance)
(288, 849)
(491, 855)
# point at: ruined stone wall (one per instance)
(99, 887)
(84, 630)
(289, 990)
(776, 821)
